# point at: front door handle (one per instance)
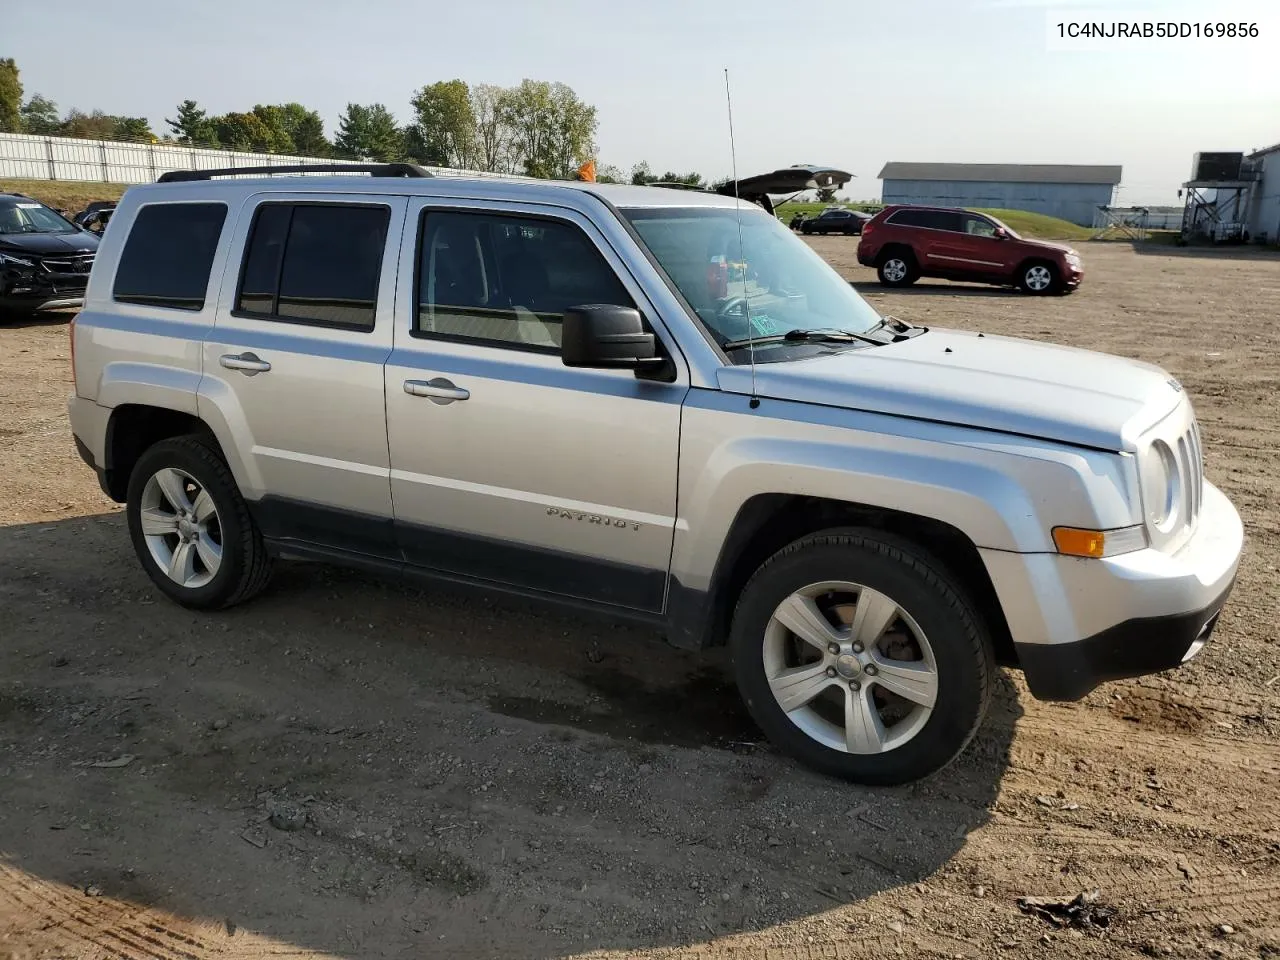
(437, 390)
(248, 363)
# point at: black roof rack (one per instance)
(373, 169)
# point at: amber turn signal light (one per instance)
(1075, 542)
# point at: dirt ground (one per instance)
(474, 777)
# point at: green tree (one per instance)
(641, 175)
(610, 174)
(553, 130)
(10, 97)
(826, 194)
(89, 126)
(192, 124)
(493, 144)
(40, 115)
(445, 124)
(306, 129)
(368, 133)
(243, 131)
(132, 128)
(278, 139)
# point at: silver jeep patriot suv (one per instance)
(655, 403)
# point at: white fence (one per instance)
(28, 157)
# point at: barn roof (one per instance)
(1003, 172)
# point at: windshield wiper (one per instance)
(826, 335)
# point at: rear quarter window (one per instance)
(168, 255)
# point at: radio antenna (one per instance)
(742, 252)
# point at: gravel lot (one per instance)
(356, 769)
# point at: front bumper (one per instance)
(32, 288)
(1135, 648)
(1077, 623)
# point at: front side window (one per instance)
(766, 273)
(507, 280)
(314, 263)
(979, 226)
(168, 256)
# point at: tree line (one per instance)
(538, 128)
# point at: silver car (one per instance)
(656, 403)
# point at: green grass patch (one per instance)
(1036, 225)
(1039, 225)
(788, 210)
(69, 195)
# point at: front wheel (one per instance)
(855, 654)
(191, 528)
(1038, 279)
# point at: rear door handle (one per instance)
(247, 363)
(437, 390)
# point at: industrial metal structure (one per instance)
(1218, 197)
(1264, 213)
(1071, 192)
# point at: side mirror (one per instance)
(1001, 233)
(607, 336)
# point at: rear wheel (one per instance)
(1038, 278)
(190, 527)
(897, 268)
(856, 655)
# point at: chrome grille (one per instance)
(1193, 461)
(1172, 448)
(68, 266)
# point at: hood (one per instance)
(1014, 386)
(1050, 245)
(49, 244)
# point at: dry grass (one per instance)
(69, 195)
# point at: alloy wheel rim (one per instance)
(1038, 278)
(850, 668)
(181, 527)
(895, 269)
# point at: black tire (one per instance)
(1030, 276)
(245, 566)
(888, 274)
(919, 585)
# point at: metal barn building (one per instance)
(1069, 191)
(1264, 211)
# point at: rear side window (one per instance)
(168, 256)
(315, 264)
(933, 219)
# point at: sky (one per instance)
(849, 83)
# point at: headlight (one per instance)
(1160, 486)
(10, 258)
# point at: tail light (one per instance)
(867, 228)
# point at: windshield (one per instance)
(27, 216)
(772, 276)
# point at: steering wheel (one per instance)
(733, 308)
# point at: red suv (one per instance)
(905, 243)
